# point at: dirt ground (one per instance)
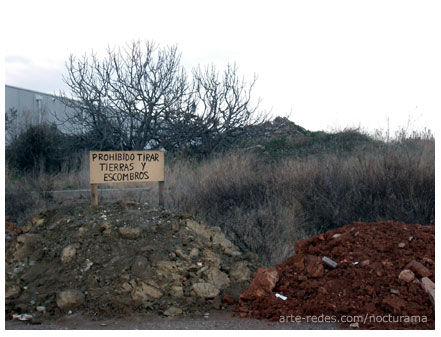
(130, 266)
(216, 320)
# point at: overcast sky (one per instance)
(329, 64)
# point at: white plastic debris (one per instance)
(22, 317)
(281, 296)
(329, 262)
(355, 262)
(41, 308)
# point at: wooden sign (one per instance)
(110, 167)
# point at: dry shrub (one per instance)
(266, 205)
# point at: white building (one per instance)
(28, 107)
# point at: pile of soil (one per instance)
(368, 279)
(119, 258)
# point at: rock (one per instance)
(429, 287)
(37, 221)
(199, 229)
(177, 291)
(301, 246)
(205, 290)
(27, 244)
(126, 288)
(69, 298)
(12, 290)
(167, 269)
(107, 228)
(406, 275)
(418, 269)
(401, 245)
(130, 233)
(194, 253)
(313, 266)
(68, 253)
(263, 283)
(218, 278)
(181, 254)
(239, 272)
(219, 239)
(365, 263)
(211, 259)
(141, 267)
(143, 291)
(394, 304)
(228, 299)
(173, 311)
(298, 262)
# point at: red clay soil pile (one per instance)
(382, 279)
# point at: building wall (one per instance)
(33, 108)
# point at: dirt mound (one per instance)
(120, 258)
(373, 275)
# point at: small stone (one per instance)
(205, 290)
(130, 233)
(37, 221)
(177, 291)
(194, 253)
(173, 311)
(173, 256)
(69, 298)
(239, 272)
(218, 278)
(354, 325)
(401, 245)
(228, 299)
(12, 290)
(175, 227)
(406, 275)
(394, 291)
(365, 263)
(418, 269)
(68, 253)
(144, 291)
(335, 236)
(313, 266)
(181, 254)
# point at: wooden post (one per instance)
(161, 193)
(94, 191)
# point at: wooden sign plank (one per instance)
(109, 167)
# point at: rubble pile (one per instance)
(118, 258)
(383, 272)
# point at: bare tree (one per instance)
(224, 105)
(139, 97)
(126, 99)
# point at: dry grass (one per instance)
(265, 206)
